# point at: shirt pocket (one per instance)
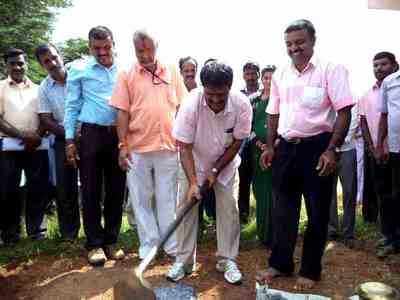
(312, 96)
(228, 137)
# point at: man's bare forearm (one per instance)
(272, 129)
(48, 123)
(341, 127)
(383, 129)
(228, 155)
(10, 130)
(122, 125)
(187, 161)
(365, 133)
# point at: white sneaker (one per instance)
(143, 251)
(231, 271)
(178, 271)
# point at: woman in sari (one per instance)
(262, 179)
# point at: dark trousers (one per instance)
(293, 176)
(207, 205)
(389, 196)
(98, 161)
(370, 197)
(36, 169)
(246, 173)
(347, 173)
(67, 194)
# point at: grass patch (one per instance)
(27, 249)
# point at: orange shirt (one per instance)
(152, 103)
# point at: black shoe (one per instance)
(350, 243)
(10, 241)
(333, 237)
(38, 237)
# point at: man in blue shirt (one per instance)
(52, 94)
(89, 87)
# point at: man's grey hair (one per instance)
(143, 34)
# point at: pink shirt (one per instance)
(211, 134)
(369, 107)
(307, 102)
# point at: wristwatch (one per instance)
(214, 171)
(332, 148)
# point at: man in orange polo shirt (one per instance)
(147, 98)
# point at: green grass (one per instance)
(27, 250)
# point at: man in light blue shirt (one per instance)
(52, 93)
(89, 87)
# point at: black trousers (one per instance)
(207, 205)
(294, 176)
(370, 208)
(67, 194)
(394, 206)
(246, 172)
(98, 161)
(36, 169)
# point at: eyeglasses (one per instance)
(155, 79)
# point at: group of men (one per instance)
(150, 128)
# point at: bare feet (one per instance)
(265, 277)
(305, 283)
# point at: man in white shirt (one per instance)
(19, 127)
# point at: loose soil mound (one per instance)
(71, 278)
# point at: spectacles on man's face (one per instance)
(155, 79)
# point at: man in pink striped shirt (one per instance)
(210, 127)
(308, 118)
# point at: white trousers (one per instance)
(153, 173)
(228, 224)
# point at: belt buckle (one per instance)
(294, 141)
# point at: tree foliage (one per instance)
(74, 49)
(25, 24)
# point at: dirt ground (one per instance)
(48, 277)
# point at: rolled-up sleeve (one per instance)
(274, 99)
(338, 87)
(185, 123)
(73, 101)
(242, 127)
(120, 97)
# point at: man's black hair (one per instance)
(13, 52)
(43, 49)
(216, 74)
(251, 65)
(209, 60)
(268, 68)
(186, 59)
(300, 25)
(100, 33)
(384, 54)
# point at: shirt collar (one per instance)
(247, 93)
(27, 83)
(312, 63)
(375, 86)
(93, 62)
(52, 82)
(397, 74)
(160, 68)
(228, 106)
